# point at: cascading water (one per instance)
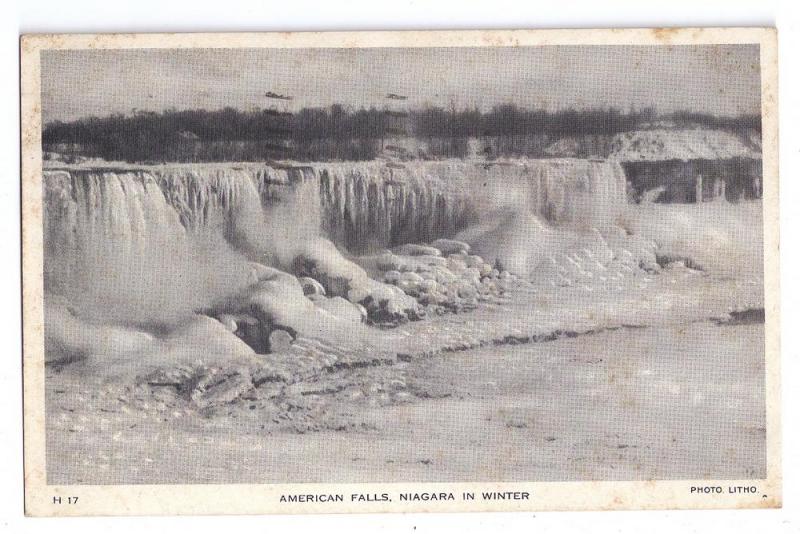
(111, 235)
(372, 206)
(367, 207)
(133, 246)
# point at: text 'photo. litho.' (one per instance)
(440, 275)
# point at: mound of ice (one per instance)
(277, 301)
(594, 260)
(343, 309)
(113, 351)
(517, 241)
(321, 260)
(725, 238)
(451, 246)
(411, 249)
(68, 338)
(204, 339)
(453, 283)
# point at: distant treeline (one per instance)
(338, 133)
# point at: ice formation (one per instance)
(277, 252)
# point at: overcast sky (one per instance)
(722, 79)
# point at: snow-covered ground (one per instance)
(685, 401)
(660, 144)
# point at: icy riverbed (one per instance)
(684, 401)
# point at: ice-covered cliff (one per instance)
(112, 231)
(360, 206)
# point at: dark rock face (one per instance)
(740, 317)
(306, 268)
(311, 286)
(253, 332)
(664, 260)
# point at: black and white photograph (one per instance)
(487, 264)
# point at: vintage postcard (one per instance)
(400, 271)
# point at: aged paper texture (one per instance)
(400, 271)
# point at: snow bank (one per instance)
(68, 338)
(113, 351)
(721, 237)
(667, 144)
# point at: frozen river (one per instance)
(684, 401)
